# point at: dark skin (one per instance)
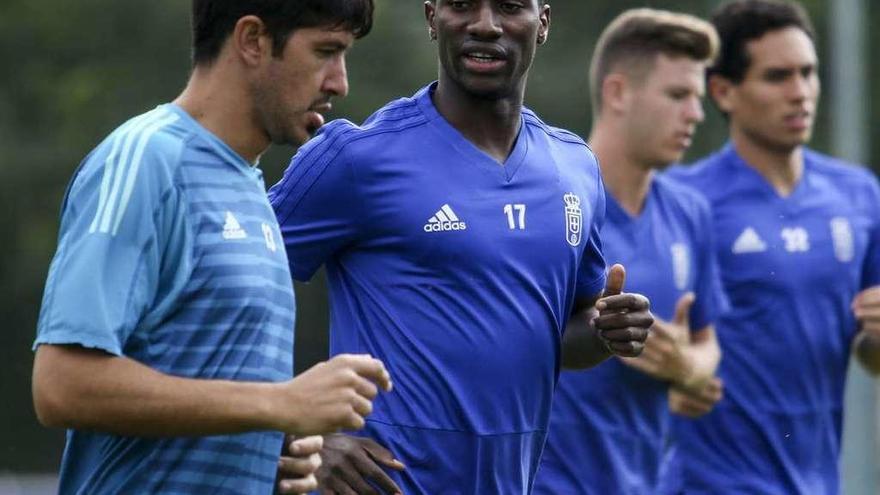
(485, 49)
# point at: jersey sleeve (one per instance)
(711, 301)
(592, 270)
(316, 203)
(112, 249)
(871, 268)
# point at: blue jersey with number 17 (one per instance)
(455, 270)
(791, 267)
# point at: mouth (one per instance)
(684, 139)
(799, 121)
(315, 116)
(484, 59)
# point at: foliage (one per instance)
(74, 71)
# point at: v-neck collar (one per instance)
(620, 216)
(220, 146)
(465, 147)
(750, 174)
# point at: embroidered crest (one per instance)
(842, 236)
(573, 219)
(681, 265)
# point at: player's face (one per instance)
(775, 104)
(487, 46)
(664, 110)
(295, 88)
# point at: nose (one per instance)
(485, 23)
(336, 80)
(802, 87)
(694, 111)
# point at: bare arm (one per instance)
(616, 324)
(87, 389)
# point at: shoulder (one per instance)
(847, 172)
(680, 194)
(144, 151)
(852, 182)
(392, 120)
(705, 176)
(556, 134)
(573, 153)
(702, 170)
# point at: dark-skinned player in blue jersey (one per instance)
(460, 236)
(798, 240)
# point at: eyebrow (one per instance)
(336, 44)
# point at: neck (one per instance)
(490, 124)
(782, 167)
(626, 178)
(217, 98)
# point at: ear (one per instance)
(430, 10)
(250, 41)
(544, 28)
(722, 91)
(615, 92)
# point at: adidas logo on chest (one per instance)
(232, 229)
(444, 220)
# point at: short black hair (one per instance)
(742, 21)
(214, 20)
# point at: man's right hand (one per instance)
(331, 396)
(353, 466)
(695, 403)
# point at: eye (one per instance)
(777, 75)
(511, 7)
(459, 4)
(678, 94)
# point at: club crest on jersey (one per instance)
(842, 236)
(681, 265)
(573, 219)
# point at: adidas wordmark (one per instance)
(444, 220)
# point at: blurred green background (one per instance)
(73, 71)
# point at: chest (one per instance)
(442, 213)
(236, 245)
(660, 255)
(818, 243)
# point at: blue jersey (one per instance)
(169, 254)
(791, 268)
(459, 273)
(610, 425)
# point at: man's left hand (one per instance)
(624, 318)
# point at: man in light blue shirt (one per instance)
(165, 337)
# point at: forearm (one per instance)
(581, 346)
(867, 350)
(90, 390)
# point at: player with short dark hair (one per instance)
(798, 241)
(610, 427)
(460, 235)
(165, 339)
